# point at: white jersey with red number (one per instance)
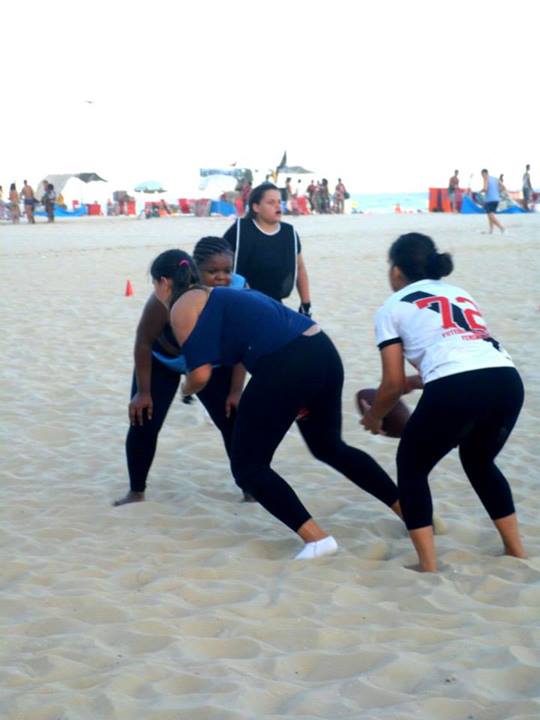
(441, 329)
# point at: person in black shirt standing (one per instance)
(267, 252)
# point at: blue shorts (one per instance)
(492, 206)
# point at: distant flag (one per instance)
(282, 164)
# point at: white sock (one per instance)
(312, 550)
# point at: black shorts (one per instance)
(491, 207)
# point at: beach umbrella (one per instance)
(150, 186)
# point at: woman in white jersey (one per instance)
(472, 392)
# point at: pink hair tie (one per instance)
(184, 262)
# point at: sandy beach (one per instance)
(189, 605)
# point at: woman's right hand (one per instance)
(139, 403)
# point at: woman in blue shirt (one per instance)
(296, 374)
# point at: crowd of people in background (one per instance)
(317, 193)
(297, 197)
(10, 208)
(323, 201)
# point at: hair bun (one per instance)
(439, 265)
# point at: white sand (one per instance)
(189, 605)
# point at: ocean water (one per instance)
(386, 202)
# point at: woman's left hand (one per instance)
(370, 422)
(232, 402)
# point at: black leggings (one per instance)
(474, 411)
(141, 440)
(305, 374)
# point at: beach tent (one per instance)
(469, 207)
(82, 187)
(214, 182)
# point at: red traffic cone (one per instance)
(129, 289)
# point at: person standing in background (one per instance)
(453, 186)
(339, 196)
(503, 191)
(14, 209)
(311, 188)
(29, 201)
(246, 190)
(267, 252)
(289, 193)
(324, 194)
(526, 187)
(48, 200)
(491, 200)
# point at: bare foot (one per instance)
(419, 569)
(516, 553)
(131, 497)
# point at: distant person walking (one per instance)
(453, 187)
(526, 188)
(491, 200)
(29, 201)
(14, 209)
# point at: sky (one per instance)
(390, 96)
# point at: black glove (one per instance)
(305, 309)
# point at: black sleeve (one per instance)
(230, 236)
(297, 241)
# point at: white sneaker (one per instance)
(320, 548)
